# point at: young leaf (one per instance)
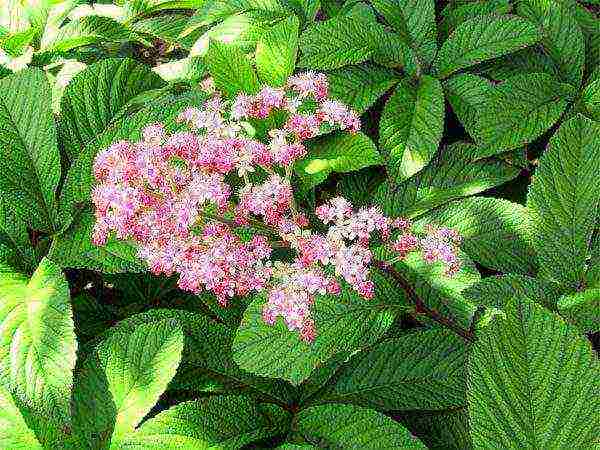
(37, 342)
(14, 432)
(420, 370)
(411, 126)
(520, 110)
(345, 426)
(230, 69)
(339, 153)
(123, 379)
(582, 308)
(276, 52)
(29, 157)
(483, 38)
(533, 382)
(96, 96)
(563, 201)
(227, 422)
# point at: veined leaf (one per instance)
(339, 152)
(224, 422)
(420, 370)
(411, 126)
(230, 69)
(29, 157)
(467, 93)
(439, 430)
(37, 342)
(529, 60)
(495, 233)
(533, 382)
(346, 426)
(122, 380)
(456, 13)
(483, 38)
(97, 95)
(583, 309)
(563, 203)
(520, 110)
(276, 52)
(14, 432)
(15, 247)
(591, 99)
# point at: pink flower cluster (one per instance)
(184, 199)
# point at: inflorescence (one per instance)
(188, 199)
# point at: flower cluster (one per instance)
(187, 199)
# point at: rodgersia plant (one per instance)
(184, 197)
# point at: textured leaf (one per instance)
(591, 99)
(29, 157)
(411, 126)
(414, 19)
(529, 60)
(16, 250)
(457, 171)
(276, 52)
(97, 95)
(345, 426)
(340, 152)
(224, 422)
(14, 433)
(483, 38)
(360, 86)
(123, 379)
(343, 324)
(467, 93)
(533, 383)
(582, 308)
(562, 36)
(495, 233)
(167, 27)
(37, 341)
(563, 201)
(456, 13)
(520, 110)
(230, 69)
(439, 430)
(420, 370)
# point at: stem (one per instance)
(420, 306)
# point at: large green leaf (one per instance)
(439, 430)
(456, 13)
(562, 36)
(495, 233)
(533, 382)
(276, 52)
(520, 110)
(29, 157)
(563, 201)
(467, 93)
(344, 324)
(340, 152)
(411, 126)
(230, 69)
(122, 380)
(360, 86)
(14, 432)
(223, 422)
(37, 342)
(420, 370)
(96, 96)
(346, 426)
(483, 38)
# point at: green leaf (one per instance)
(345, 426)
(230, 69)
(456, 13)
(563, 201)
(276, 52)
(37, 342)
(420, 370)
(583, 309)
(562, 36)
(520, 110)
(224, 422)
(439, 430)
(344, 324)
(495, 233)
(414, 19)
(29, 157)
(96, 96)
(457, 171)
(167, 27)
(529, 60)
(533, 382)
(340, 152)
(591, 99)
(411, 126)
(14, 432)
(360, 86)
(467, 93)
(483, 38)
(16, 249)
(123, 379)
